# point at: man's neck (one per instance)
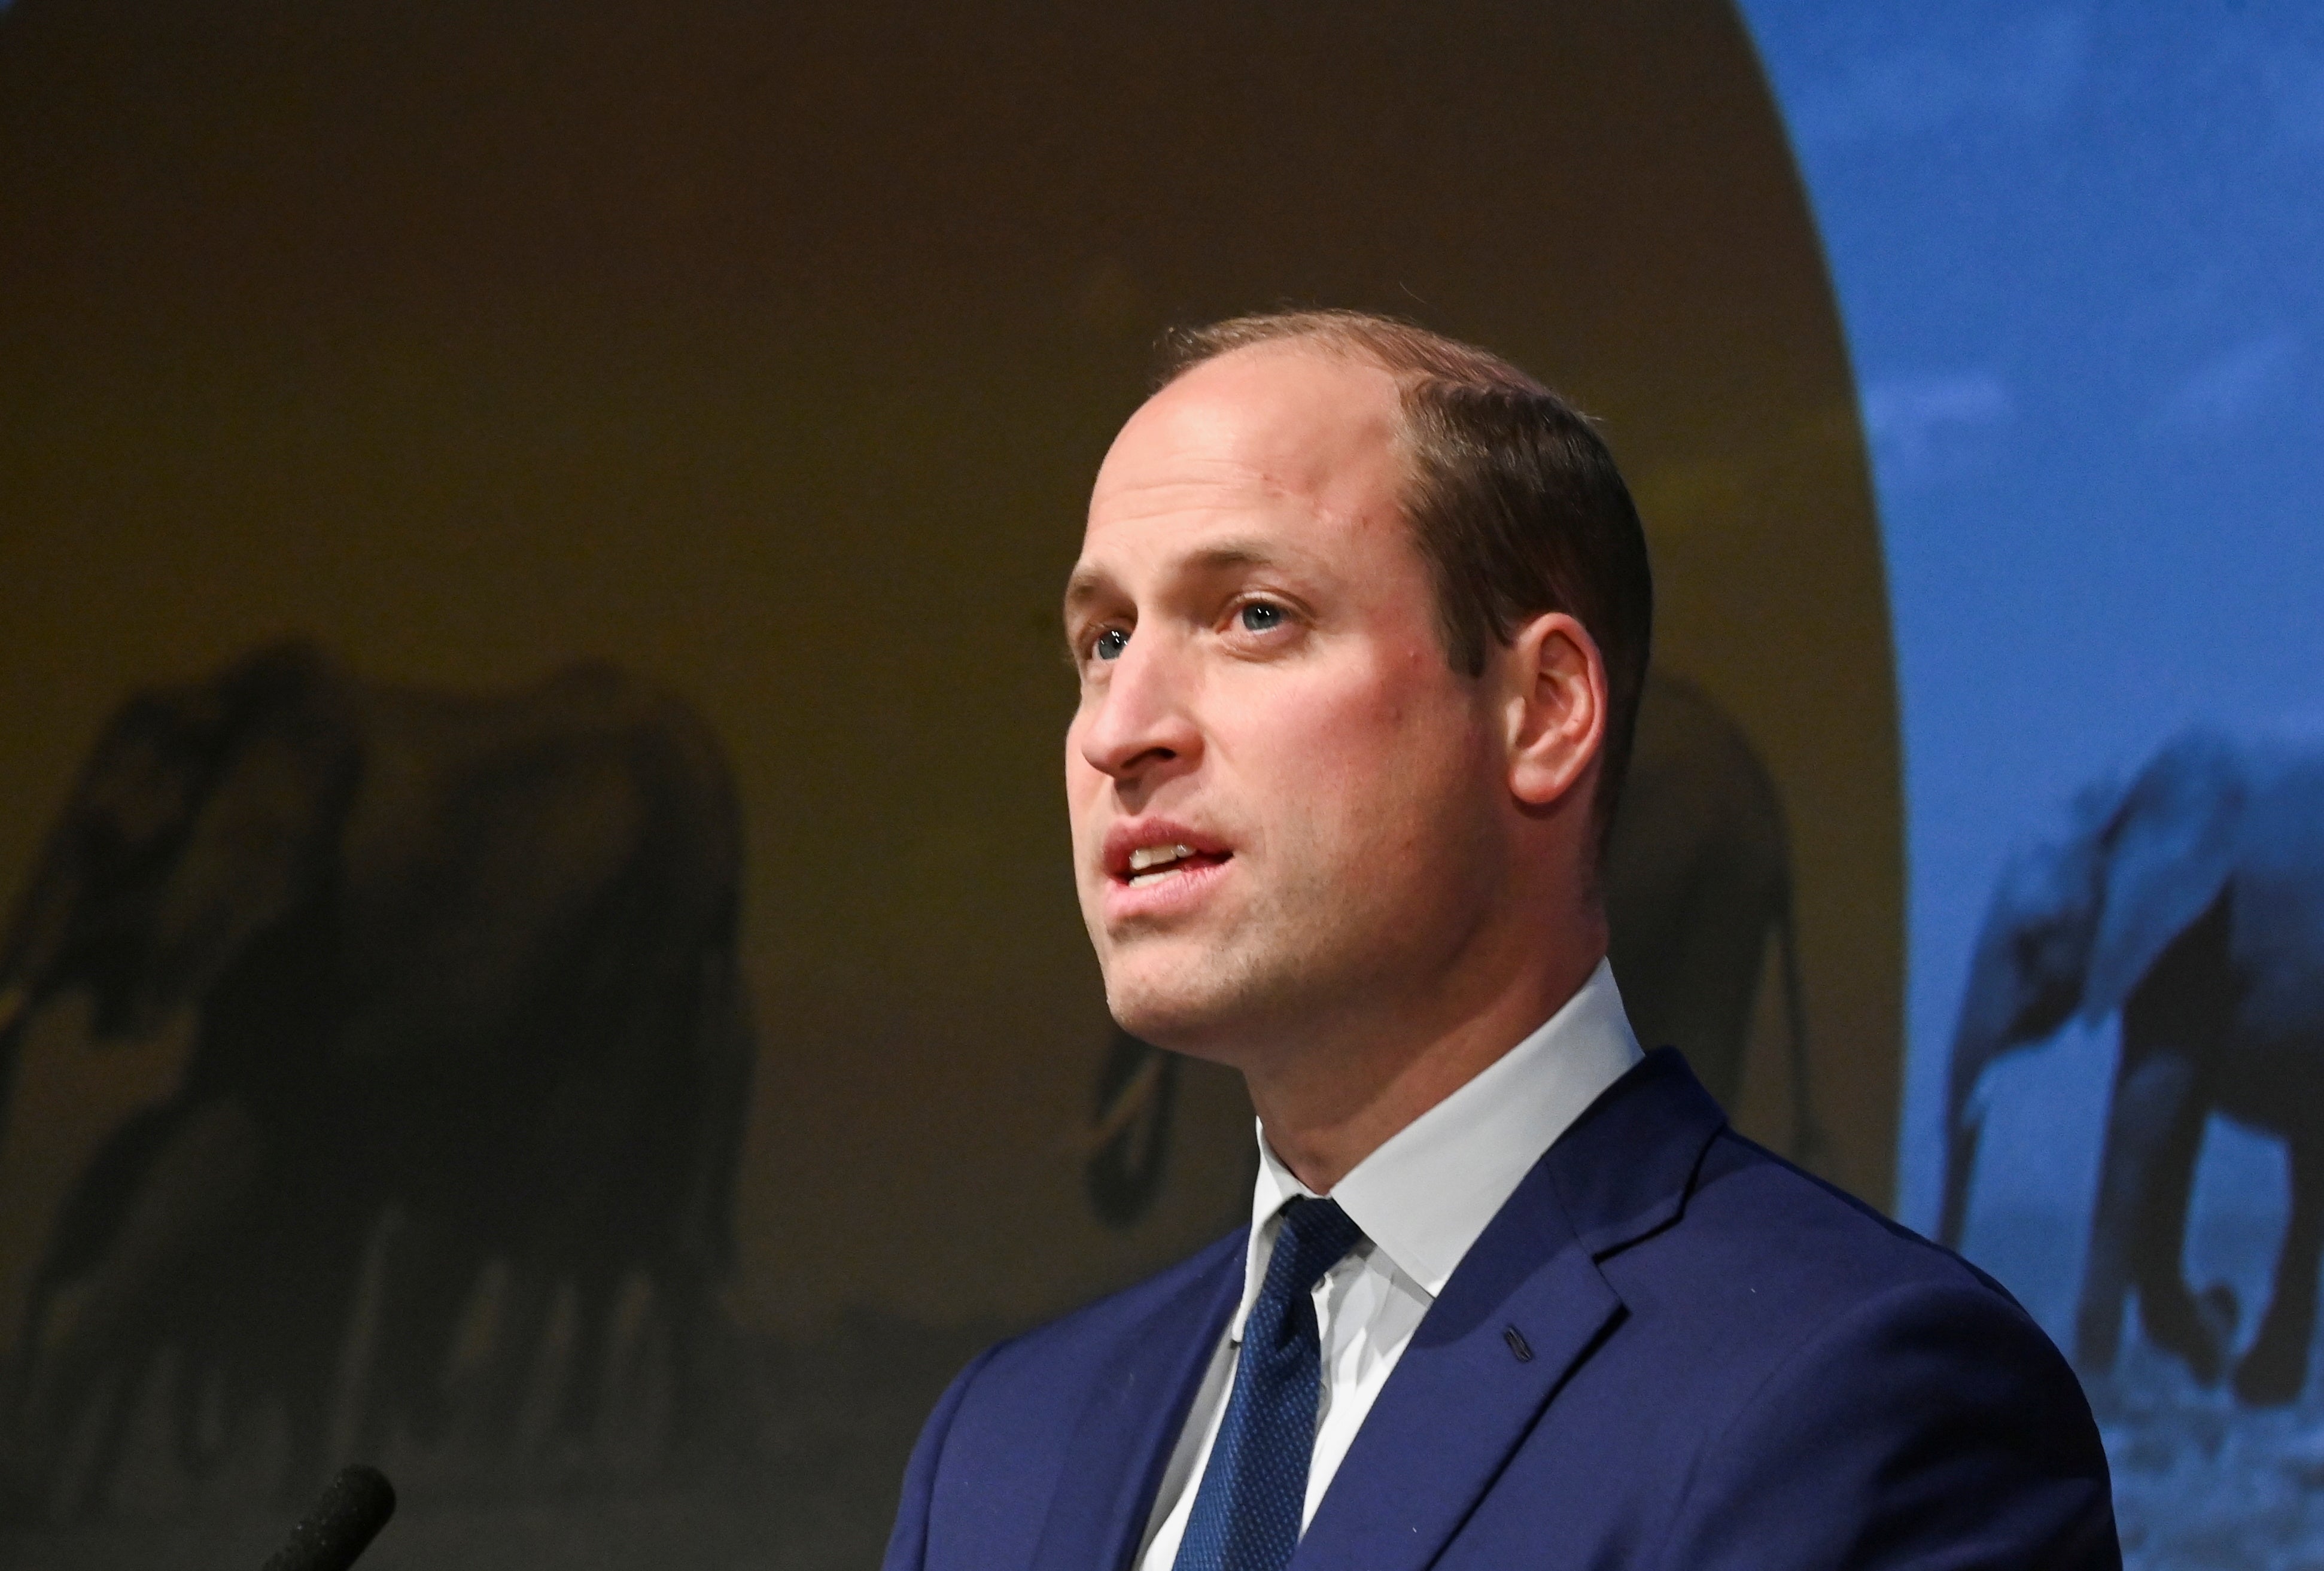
(1335, 1102)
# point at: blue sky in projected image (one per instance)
(2079, 252)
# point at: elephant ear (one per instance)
(2166, 854)
(265, 827)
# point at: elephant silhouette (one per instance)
(1698, 884)
(2190, 900)
(462, 981)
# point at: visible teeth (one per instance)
(1146, 857)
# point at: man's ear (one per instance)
(1556, 706)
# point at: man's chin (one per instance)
(1199, 1006)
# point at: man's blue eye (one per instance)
(1110, 643)
(1259, 617)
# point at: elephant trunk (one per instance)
(1986, 1030)
(29, 963)
(16, 1010)
(22, 987)
(1128, 1147)
(1962, 1132)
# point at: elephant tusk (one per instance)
(1128, 1103)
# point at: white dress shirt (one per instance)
(1422, 1199)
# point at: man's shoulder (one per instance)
(1827, 1354)
(1067, 1352)
(1801, 1347)
(1752, 1211)
(1027, 1412)
(1683, 1214)
(1765, 1260)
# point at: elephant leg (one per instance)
(428, 1279)
(84, 1483)
(2167, 1309)
(197, 1419)
(2276, 1368)
(588, 1372)
(528, 1303)
(2153, 1113)
(711, 1411)
(202, 1413)
(301, 1359)
(163, 1211)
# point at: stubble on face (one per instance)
(1333, 760)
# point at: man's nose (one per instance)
(1144, 720)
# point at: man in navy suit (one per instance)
(1361, 618)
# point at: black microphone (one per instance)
(349, 1514)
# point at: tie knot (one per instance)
(1315, 1235)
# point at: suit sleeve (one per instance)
(907, 1542)
(1933, 1427)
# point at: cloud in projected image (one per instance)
(2228, 389)
(2025, 71)
(1921, 426)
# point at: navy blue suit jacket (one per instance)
(1669, 1349)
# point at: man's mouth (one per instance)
(1149, 865)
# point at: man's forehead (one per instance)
(1221, 460)
(1274, 418)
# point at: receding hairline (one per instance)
(1314, 351)
(1410, 354)
(1400, 426)
(1415, 360)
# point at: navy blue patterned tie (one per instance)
(1246, 1515)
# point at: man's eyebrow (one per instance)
(1086, 585)
(1089, 584)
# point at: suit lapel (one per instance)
(1466, 1391)
(1460, 1397)
(1128, 1426)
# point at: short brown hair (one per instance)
(1514, 500)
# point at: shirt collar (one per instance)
(1425, 1194)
